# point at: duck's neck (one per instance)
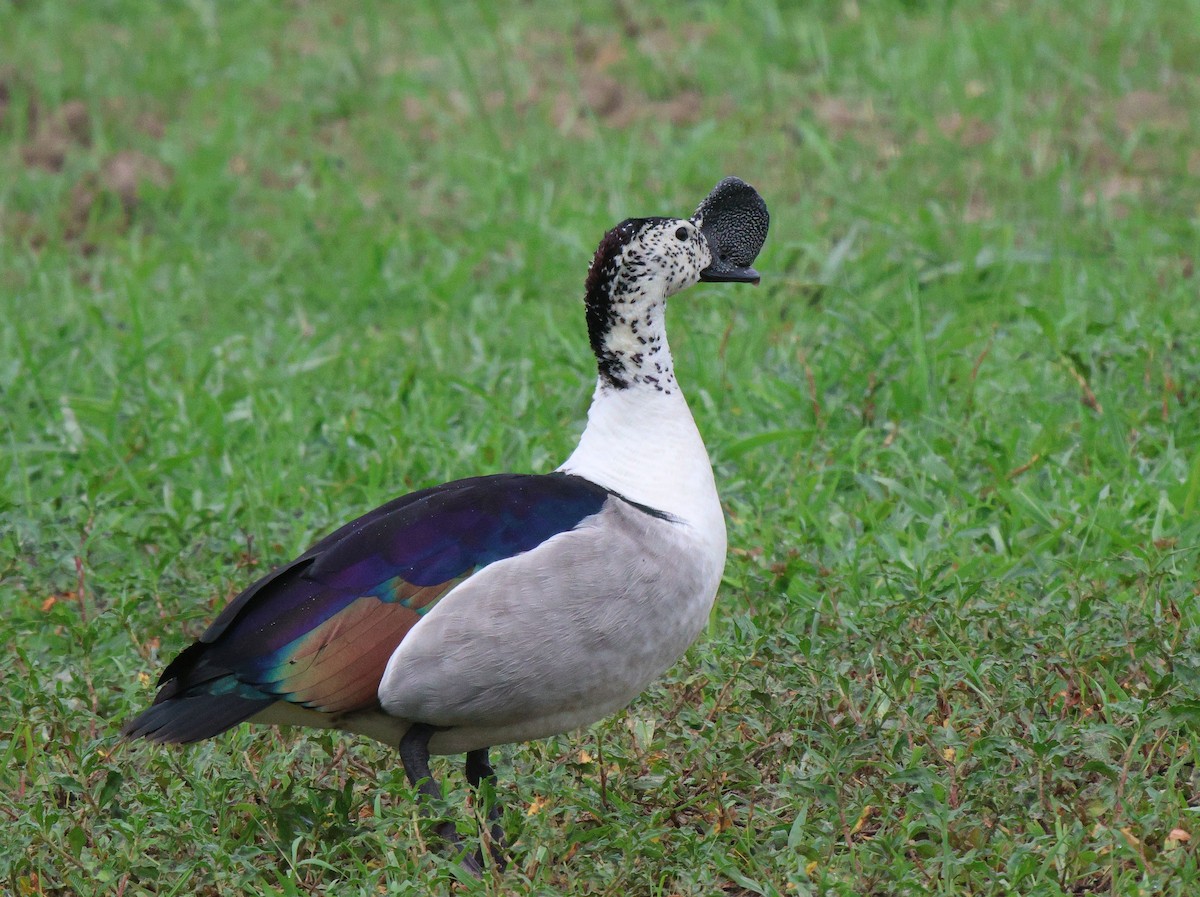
(640, 439)
(626, 303)
(642, 443)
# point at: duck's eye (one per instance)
(681, 234)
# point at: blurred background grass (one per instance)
(263, 266)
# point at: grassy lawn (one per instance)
(264, 266)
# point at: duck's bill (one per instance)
(734, 221)
(722, 272)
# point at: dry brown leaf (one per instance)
(1147, 109)
(125, 172)
(968, 132)
(841, 115)
(67, 126)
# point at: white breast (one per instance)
(644, 445)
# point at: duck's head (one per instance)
(642, 261)
(717, 244)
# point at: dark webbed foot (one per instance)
(414, 754)
(478, 770)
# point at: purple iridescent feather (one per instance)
(319, 630)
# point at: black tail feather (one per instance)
(188, 718)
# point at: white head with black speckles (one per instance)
(639, 264)
(643, 261)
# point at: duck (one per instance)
(507, 607)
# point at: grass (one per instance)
(264, 266)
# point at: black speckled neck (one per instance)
(611, 293)
(598, 298)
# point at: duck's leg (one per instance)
(479, 769)
(414, 754)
